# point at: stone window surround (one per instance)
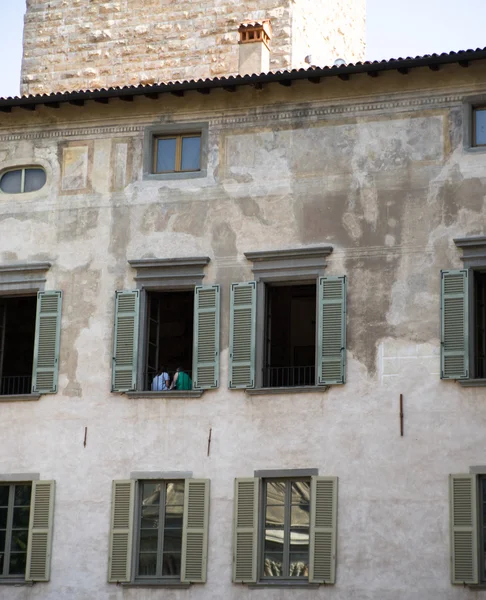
(288, 265)
(174, 128)
(163, 274)
(470, 103)
(473, 257)
(17, 279)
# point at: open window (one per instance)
(167, 331)
(288, 327)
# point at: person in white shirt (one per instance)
(160, 382)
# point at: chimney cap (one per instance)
(255, 31)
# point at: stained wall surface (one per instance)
(87, 44)
(374, 167)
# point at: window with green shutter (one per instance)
(297, 521)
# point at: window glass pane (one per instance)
(173, 516)
(480, 126)
(2, 542)
(172, 540)
(300, 492)
(17, 563)
(149, 540)
(191, 154)
(35, 179)
(273, 565)
(11, 182)
(299, 516)
(4, 495)
(21, 518)
(171, 564)
(22, 495)
(3, 518)
(275, 516)
(275, 492)
(175, 493)
(151, 494)
(150, 517)
(147, 564)
(299, 565)
(166, 155)
(19, 541)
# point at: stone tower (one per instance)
(87, 44)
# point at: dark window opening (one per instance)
(170, 320)
(17, 333)
(482, 529)
(290, 331)
(480, 324)
(14, 528)
(286, 521)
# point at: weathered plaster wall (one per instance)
(86, 44)
(389, 186)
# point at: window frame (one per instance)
(179, 137)
(474, 109)
(22, 169)
(9, 527)
(174, 130)
(157, 579)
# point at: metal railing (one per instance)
(17, 384)
(150, 374)
(289, 376)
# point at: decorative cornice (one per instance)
(291, 254)
(23, 276)
(289, 263)
(473, 250)
(169, 272)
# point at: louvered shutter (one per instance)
(454, 343)
(323, 530)
(242, 335)
(46, 344)
(121, 531)
(205, 370)
(464, 534)
(195, 531)
(39, 543)
(125, 346)
(245, 534)
(331, 331)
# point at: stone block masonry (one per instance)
(87, 44)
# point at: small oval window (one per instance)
(20, 181)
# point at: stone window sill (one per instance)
(283, 584)
(16, 582)
(19, 397)
(472, 382)
(308, 389)
(156, 584)
(166, 395)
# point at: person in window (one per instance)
(181, 381)
(160, 382)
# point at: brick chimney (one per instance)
(254, 47)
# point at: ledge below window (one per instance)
(155, 584)
(472, 382)
(18, 582)
(166, 395)
(19, 397)
(284, 584)
(309, 389)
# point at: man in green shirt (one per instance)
(181, 381)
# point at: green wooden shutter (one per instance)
(245, 530)
(242, 335)
(331, 331)
(125, 346)
(454, 342)
(46, 344)
(39, 544)
(464, 529)
(195, 531)
(121, 531)
(323, 530)
(205, 369)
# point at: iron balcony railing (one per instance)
(17, 384)
(289, 376)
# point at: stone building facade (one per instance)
(88, 44)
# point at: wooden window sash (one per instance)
(178, 152)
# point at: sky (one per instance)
(405, 28)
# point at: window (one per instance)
(479, 126)
(30, 326)
(463, 316)
(166, 520)
(285, 530)
(167, 333)
(288, 327)
(173, 154)
(19, 181)
(26, 520)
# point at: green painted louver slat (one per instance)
(39, 543)
(46, 345)
(463, 529)
(125, 345)
(245, 530)
(206, 337)
(242, 335)
(121, 531)
(195, 531)
(331, 342)
(454, 342)
(323, 530)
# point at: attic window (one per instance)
(20, 181)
